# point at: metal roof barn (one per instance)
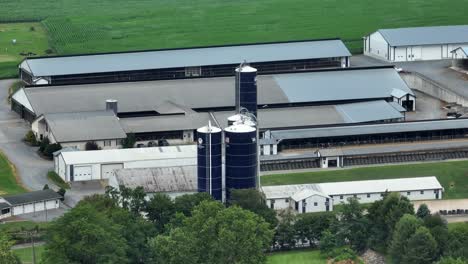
(425, 35)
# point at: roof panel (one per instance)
(29, 197)
(426, 35)
(187, 57)
(368, 111)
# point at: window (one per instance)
(315, 204)
(286, 200)
(422, 192)
(296, 206)
(341, 197)
(107, 143)
(355, 195)
(368, 195)
(408, 193)
(192, 71)
(381, 195)
(272, 204)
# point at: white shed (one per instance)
(416, 43)
(30, 202)
(100, 164)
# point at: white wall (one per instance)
(414, 195)
(376, 46)
(313, 204)
(35, 207)
(114, 144)
(279, 203)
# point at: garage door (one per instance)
(17, 210)
(51, 204)
(39, 206)
(82, 173)
(107, 170)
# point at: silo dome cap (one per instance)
(246, 68)
(209, 129)
(240, 128)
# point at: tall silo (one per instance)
(246, 89)
(241, 157)
(209, 161)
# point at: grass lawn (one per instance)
(453, 225)
(25, 254)
(452, 175)
(8, 182)
(296, 257)
(30, 38)
(12, 227)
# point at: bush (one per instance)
(90, 145)
(46, 187)
(31, 138)
(343, 254)
(62, 192)
(44, 143)
(50, 149)
(129, 142)
(49, 51)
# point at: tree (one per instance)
(6, 255)
(383, 216)
(50, 149)
(458, 242)
(46, 187)
(91, 145)
(450, 260)
(84, 235)
(62, 192)
(310, 226)
(185, 203)
(215, 234)
(285, 235)
(404, 229)
(254, 201)
(160, 209)
(352, 226)
(439, 230)
(327, 243)
(421, 248)
(129, 141)
(423, 211)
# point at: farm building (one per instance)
(166, 64)
(100, 164)
(319, 197)
(415, 44)
(174, 109)
(30, 202)
(173, 181)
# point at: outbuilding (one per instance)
(100, 164)
(415, 43)
(30, 202)
(319, 197)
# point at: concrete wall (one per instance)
(419, 82)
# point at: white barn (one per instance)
(416, 43)
(31, 202)
(306, 198)
(100, 164)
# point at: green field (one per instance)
(297, 257)
(8, 183)
(88, 26)
(452, 175)
(25, 254)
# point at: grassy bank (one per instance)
(8, 181)
(26, 254)
(297, 257)
(452, 175)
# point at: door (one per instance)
(39, 206)
(416, 53)
(28, 208)
(82, 173)
(51, 204)
(107, 170)
(17, 210)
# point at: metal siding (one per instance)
(203, 164)
(82, 173)
(241, 160)
(247, 83)
(107, 170)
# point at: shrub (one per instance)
(129, 142)
(44, 143)
(343, 254)
(49, 51)
(62, 192)
(46, 187)
(50, 149)
(55, 178)
(30, 138)
(90, 145)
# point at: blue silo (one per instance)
(241, 157)
(209, 161)
(246, 89)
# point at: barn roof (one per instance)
(425, 35)
(187, 57)
(205, 93)
(30, 197)
(83, 126)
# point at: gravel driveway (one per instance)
(30, 167)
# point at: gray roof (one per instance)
(316, 86)
(425, 35)
(368, 111)
(161, 179)
(82, 126)
(370, 129)
(382, 149)
(185, 57)
(29, 197)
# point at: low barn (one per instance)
(416, 43)
(304, 198)
(100, 164)
(30, 202)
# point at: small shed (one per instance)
(100, 164)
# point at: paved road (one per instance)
(31, 168)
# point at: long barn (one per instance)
(196, 62)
